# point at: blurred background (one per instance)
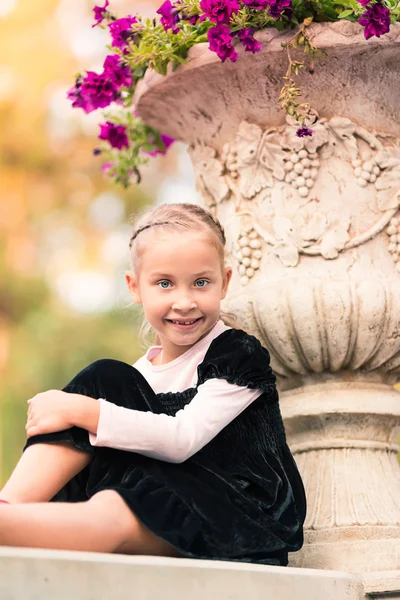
(64, 229)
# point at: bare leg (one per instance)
(102, 524)
(42, 471)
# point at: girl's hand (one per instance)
(49, 412)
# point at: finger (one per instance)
(34, 430)
(30, 423)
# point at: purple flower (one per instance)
(304, 131)
(376, 20)
(169, 16)
(92, 92)
(277, 7)
(256, 4)
(114, 134)
(75, 94)
(219, 11)
(117, 71)
(121, 32)
(107, 167)
(220, 39)
(246, 36)
(99, 13)
(364, 2)
(166, 140)
(98, 91)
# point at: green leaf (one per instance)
(345, 14)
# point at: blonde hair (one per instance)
(176, 217)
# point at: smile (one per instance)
(186, 322)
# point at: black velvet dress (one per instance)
(239, 498)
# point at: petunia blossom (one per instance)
(121, 32)
(169, 16)
(304, 131)
(375, 20)
(93, 92)
(219, 11)
(99, 13)
(256, 4)
(220, 39)
(167, 142)
(114, 134)
(246, 36)
(117, 71)
(279, 7)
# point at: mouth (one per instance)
(185, 323)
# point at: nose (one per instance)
(183, 302)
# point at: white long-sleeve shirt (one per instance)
(174, 438)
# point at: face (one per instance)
(180, 282)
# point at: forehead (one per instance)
(186, 252)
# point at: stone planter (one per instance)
(314, 235)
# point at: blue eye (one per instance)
(164, 284)
(201, 283)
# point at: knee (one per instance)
(105, 367)
(97, 375)
(108, 505)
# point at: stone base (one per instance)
(341, 548)
(29, 574)
(384, 585)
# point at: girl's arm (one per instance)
(173, 439)
(56, 410)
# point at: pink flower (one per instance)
(246, 36)
(117, 71)
(219, 11)
(220, 39)
(100, 90)
(166, 140)
(169, 16)
(304, 131)
(121, 32)
(375, 20)
(99, 13)
(93, 92)
(114, 134)
(256, 4)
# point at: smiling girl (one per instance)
(183, 453)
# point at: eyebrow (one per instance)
(169, 276)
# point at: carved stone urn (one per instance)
(313, 229)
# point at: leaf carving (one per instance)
(388, 182)
(335, 239)
(341, 139)
(288, 253)
(210, 181)
(260, 158)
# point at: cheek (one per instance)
(153, 299)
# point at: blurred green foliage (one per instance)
(49, 346)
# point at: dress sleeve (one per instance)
(173, 438)
(240, 359)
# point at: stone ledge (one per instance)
(382, 585)
(30, 574)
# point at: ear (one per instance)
(225, 281)
(133, 287)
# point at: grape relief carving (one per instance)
(249, 169)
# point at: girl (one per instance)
(183, 454)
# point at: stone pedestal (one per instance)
(313, 230)
(27, 574)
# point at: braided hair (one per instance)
(179, 216)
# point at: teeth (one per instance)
(184, 322)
